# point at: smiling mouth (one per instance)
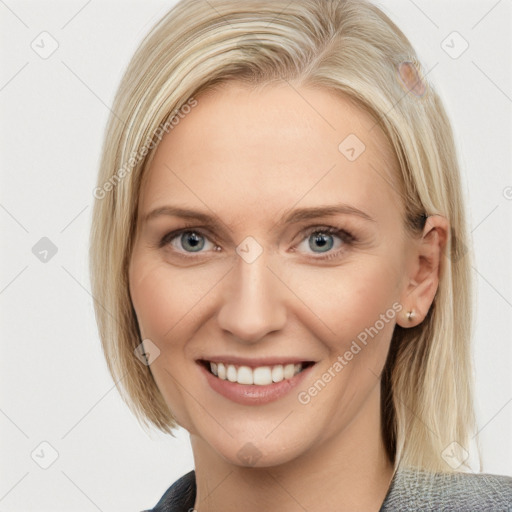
(259, 376)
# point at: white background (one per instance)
(54, 385)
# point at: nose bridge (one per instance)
(252, 305)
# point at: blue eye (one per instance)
(323, 238)
(320, 241)
(191, 240)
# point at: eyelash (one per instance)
(344, 235)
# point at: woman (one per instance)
(287, 275)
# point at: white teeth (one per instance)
(231, 373)
(221, 371)
(261, 376)
(289, 370)
(277, 373)
(244, 375)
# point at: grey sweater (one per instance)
(410, 491)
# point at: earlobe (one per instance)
(422, 286)
(419, 301)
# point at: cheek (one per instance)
(358, 302)
(168, 300)
(163, 301)
(351, 302)
(158, 295)
(368, 294)
(151, 296)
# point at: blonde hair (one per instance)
(348, 46)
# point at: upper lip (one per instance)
(256, 361)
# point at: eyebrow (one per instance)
(288, 217)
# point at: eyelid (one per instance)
(171, 235)
(348, 240)
(346, 236)
(332, 230)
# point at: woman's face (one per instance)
(259, 278)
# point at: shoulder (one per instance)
(180, 496)
(417, 490)
(411, 490)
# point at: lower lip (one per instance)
(252, 394)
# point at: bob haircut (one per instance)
(347, 46)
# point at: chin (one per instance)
(256, 451)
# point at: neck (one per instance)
(349, 471)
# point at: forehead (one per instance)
(243, 148)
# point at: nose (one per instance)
(253, 304)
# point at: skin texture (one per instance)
(247, 156)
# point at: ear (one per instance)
(425, 262)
